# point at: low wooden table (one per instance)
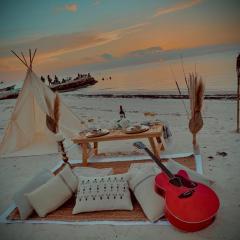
(154, 136)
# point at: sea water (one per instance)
(218, 71)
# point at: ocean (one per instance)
(218, 71)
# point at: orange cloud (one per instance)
(49, 51)
(72, 7)
(177, 7)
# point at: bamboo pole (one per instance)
(34, 54)
(24, 58)
(30, 57)
(19, 58)
(238, 90)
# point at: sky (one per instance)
(95, 35)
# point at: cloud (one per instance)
(72, 7)
(107, 56)
(96, 2)
(145, 52)
(155, 54)
(67, 43)
(177, 7)
(49, 51)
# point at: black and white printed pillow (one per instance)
(103, 193)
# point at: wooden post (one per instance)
(238, 90)
(63, 152)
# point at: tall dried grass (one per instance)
(196, 96)
(52, 119)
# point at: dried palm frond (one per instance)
(196, 96)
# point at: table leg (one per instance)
(84, 153)
(162, 143)
(95, 148)
(153, 145)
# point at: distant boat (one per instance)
(9, 94)
(7, 88)
(70, 85)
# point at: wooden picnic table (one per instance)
(154, 136)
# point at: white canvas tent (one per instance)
(26, 133)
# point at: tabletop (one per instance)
(154, 131)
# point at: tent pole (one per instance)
(34, 54)
(24, 58)
(19, 58)
(30, 56)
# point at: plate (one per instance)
(138, 129)
(98, 133)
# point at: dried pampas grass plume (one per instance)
(196, 96)
(52, 119)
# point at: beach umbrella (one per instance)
(196, 96)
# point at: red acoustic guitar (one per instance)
(189, 206)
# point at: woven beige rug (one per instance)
(64, 213)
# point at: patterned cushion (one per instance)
(103, 193)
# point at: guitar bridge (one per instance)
(187, 194)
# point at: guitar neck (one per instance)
(159, 163)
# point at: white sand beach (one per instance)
(217, 135)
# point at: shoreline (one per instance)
(156, 96)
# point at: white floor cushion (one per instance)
(24, 207)
(89, 171)
(49, 196)
(69, 178)
(142, 182)
(174, 167)
(103, 193)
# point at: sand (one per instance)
(217, 136)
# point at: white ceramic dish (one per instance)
(97, 133)
(136, 129)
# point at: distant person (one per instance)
(49, 80)
(42, 79)
(102, 79)
(110, 77)
(56, 79)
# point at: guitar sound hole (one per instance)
(176, 181)
(186, 182)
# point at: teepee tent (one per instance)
(26, 133)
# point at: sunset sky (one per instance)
(90, 35)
